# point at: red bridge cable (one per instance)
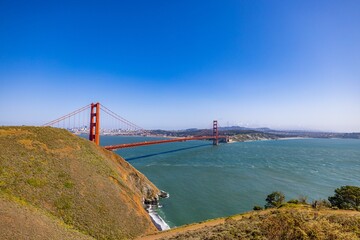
(119, 119)
(67, 116)
(116, 116)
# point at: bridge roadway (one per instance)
(128, 145)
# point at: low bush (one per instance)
(346, 197)
(294, 201)
(257, 208)
(274, 199)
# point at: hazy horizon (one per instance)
(181, 64)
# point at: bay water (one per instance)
(206, 181)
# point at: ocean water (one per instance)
(206, 181)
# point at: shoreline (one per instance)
(270, 139)
(151, 208)
(293, 138)
(159, 223)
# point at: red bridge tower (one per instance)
(94, 134)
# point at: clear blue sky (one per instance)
(181, 64)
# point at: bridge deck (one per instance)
(128, 145)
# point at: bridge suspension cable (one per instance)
(52, 123)
(121, 119)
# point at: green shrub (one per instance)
(294, 201)
(274, 199)
(257, 208)
(346, 197)
(35, 182)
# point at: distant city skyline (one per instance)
(181, 64)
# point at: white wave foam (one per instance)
(157, 220)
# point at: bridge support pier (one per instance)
(215, 133)
(94, 133)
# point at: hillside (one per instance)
(291, 222)
(252, 137)
(55, 185)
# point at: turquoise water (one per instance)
(206, 181)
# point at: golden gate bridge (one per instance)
(76, 122)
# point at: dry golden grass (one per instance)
(82, 185)
(273, 224)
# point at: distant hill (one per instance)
(238, 133)
(234, 130)
(55, 185)
(235, 133)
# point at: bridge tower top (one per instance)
(94, 133)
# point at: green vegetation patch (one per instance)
(346, 197)
(68, 184)
(36, 182)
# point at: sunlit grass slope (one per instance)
(288, 222)
(70, 185)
